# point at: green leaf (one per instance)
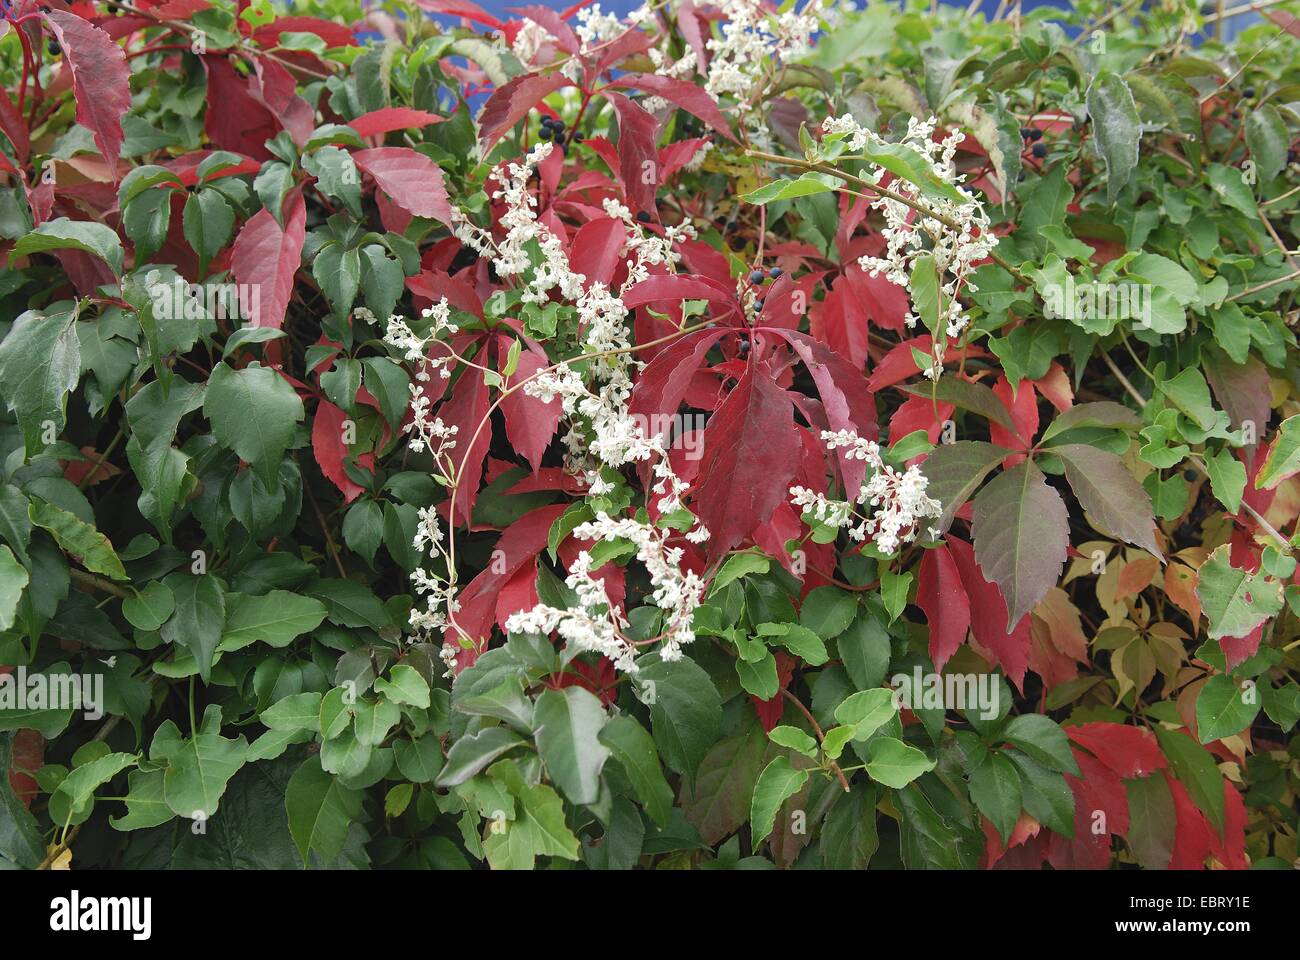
(320, 810)
(301, 711)
(61, 233)
(405, 685)
(778, 782)
(540, 825)
(208, 221)
(995, 788)
(567, 725)
(1046, 795)
(866, 711)
(1152, 820)
(735, 566)
(253, 411)
(759, 677)
(149, 608)
(145, 805)
(799, 640)
(1197, 770)
(1227, 478)
(1043, 740)
(685, 711)
(634, 749)
(1117, 128)
(806, 185)
(13, 580)
(419, 761)
(197, 621)
(40, 364)
(895, 763)
(1223, 708)
(373, 721)
(827, 611)
(469, 755)
(200, 768)
(1283, 456)
(849, 838)
(78, 538)
(1268, 139)
(1235, 601)
(794, 739)
(276, 619)
(75, 794)
(1022, 532)
(955, 470)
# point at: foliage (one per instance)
(651, 529)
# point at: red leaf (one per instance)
(884, 302)
(465, 410)
(844, 393)
(518, 544)
(677, 287)
(663, 383)
(180, 9)
(334, 34)
(330, 451)
(691, 98)
(1231, 852)
(530, 424)
(942, 598)
(461, 8)
(235, 120)
(637, 157)
(1129, 751)
(1237, 650)
(265, 257)
(518, 593)
(388, 119)
(410, 178)
(596, 249)
(554, 23)
(101, 80)
(989, 616)
(1100, 801)
(14, 127)
(1193, 835)
(1023, 408)
(751, 450)
(511, 103)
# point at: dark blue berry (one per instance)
(774, 272)
(1035, 134)
(558, 126)
(643, 217)
(758, 306)
(544, 133)
(757, 276)
(1040, 150)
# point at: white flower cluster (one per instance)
(521, 225)
(909, 233)
(896, 500)
(752, 41)
(596, 624)
(530, 39)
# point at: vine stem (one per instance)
(835, 767)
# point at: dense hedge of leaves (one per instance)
(969, 544)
